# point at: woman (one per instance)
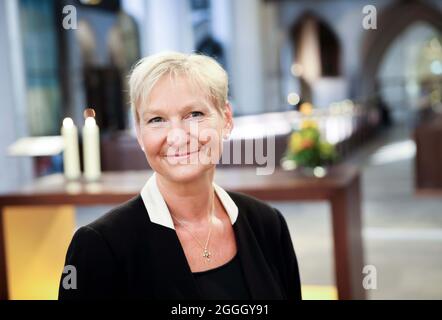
(183, 237)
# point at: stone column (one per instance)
(168, 26)
(247, 58)
(13, 111)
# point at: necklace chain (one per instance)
(206, 252)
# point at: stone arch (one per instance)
(329, 44)
(391, 22)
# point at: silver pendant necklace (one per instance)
(206, 253)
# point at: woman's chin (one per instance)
(185, 172)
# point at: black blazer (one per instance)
(124, 255)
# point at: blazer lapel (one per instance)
(169, 259)
(256, 271)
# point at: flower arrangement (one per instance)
(307, 149)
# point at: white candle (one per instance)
(71, 156)
(91, 150)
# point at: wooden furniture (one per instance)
(428, 138)
(38, 220)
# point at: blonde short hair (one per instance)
(202, 71)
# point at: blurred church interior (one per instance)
(375, 93)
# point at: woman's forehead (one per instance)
(176, 93)
(177, 87)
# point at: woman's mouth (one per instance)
(181, 155)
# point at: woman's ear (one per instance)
(228, 119)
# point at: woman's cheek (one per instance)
(153, 141)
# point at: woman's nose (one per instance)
(177, 137)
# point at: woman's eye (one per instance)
(156, 119)
(196, 114)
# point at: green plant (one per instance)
(307, 149)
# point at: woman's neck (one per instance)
(189, 203)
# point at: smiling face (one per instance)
(181, 130)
